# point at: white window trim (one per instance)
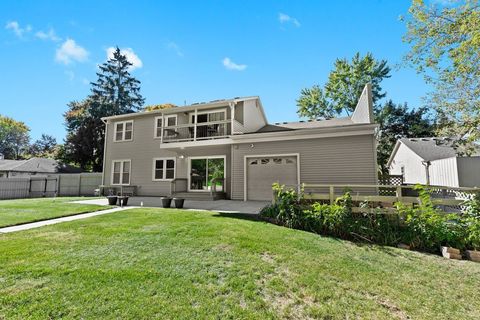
(224, 157)
(164, 120)
(123, 133)
(224, 110)
(164, 168)
(122, 161)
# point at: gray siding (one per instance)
(144, 148)
(322, 161)
(469, 171)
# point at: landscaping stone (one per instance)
(403, 246)
(473, 255)
(451, 253)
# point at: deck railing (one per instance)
(197, 131)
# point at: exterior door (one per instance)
(262, 172)
(203, 171)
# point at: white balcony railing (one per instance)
(195, 132)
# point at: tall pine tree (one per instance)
(115, 92)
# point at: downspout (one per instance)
(104, 151)
(427, 170)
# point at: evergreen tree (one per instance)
(115, 92)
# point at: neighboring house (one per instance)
(33, 166)
(433, 161)
(181, 150)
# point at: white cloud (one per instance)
(70, 51)
(285, 18)
(131, 57)
(49, 35)
(230, 65)
(173, 46)
(15, 27)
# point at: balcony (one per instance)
(196, 131)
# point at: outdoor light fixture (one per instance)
(181, 156)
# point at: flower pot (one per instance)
(178, 202)
(112, 200)
(123, 201)
(451, 253)
(473, 255)
(166, 202)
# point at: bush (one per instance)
(427, 227)
(471, 215)
(423, 227)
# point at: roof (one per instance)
(310, 124)
(429, 149)
(41, 165)
(191, 107)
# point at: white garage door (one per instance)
(262, 172)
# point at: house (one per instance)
(33, 166)
(228, 149)
(433, 161)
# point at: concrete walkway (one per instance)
(228, 206)
(38, 224)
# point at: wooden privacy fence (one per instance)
(448, 198)
(77, 184)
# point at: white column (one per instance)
(195, 128)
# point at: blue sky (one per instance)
(191, 51)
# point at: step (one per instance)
(207, 196)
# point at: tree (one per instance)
(398, 121)
(45, 147)
(14, 138)
(115, 92)
(445, 49)
(162, 106)
(344, 87)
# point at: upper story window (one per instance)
(123, 131)
(121, 172)
(209, 116)
(170, 121)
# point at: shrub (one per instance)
(471, 215)
(427, 227)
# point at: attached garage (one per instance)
(262, 171)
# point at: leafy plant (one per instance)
(471, 214)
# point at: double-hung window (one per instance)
(121, 172)
(170, 121)
(163, 169)
(123, 131)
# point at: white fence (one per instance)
(77, 184)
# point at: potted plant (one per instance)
(178, 202)
(166, 202)
(112, 198)
(123, 201)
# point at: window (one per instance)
(264, 161)
(123, 131)
(170, 121)
(209, 116)
(121, 172)
(164, 169)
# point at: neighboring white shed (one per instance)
(433, 161)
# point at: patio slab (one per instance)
(230, 206)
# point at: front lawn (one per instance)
(20, 211)
(175, 264)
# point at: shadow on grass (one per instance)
(238, 215)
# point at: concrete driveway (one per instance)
(230, 206)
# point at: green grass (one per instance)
(20, 211)
(175, 264)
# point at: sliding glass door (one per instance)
(204, 170)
